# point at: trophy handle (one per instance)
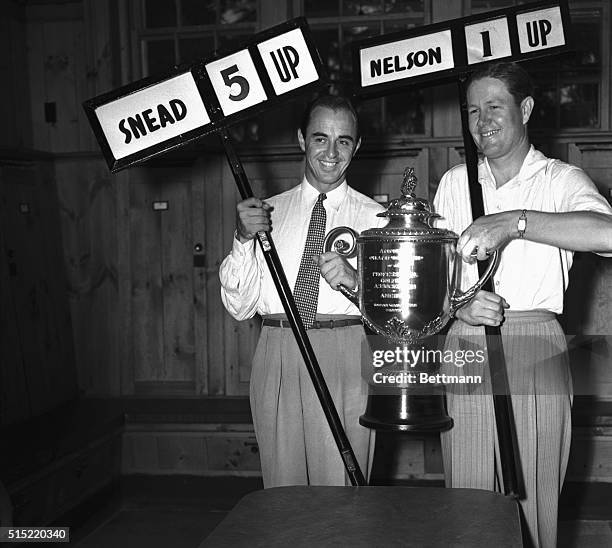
(459, 299)
(333, 242)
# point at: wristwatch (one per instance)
(521, 225)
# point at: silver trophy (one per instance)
(408, 288)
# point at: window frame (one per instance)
(339, 22)
(142, 34)
(582, 9)
(293, 8)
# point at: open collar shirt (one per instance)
(530, 275)
(246, 285)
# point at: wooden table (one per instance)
(370, 516)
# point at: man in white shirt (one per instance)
(295, 442)
(538, 211)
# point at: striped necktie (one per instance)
(306, 290)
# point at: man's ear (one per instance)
(301, 140)
(527, 108)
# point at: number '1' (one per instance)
(486, 44)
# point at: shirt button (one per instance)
(498, 207)
(497, 282)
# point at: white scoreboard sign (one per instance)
(155, 115)
(445, 50)
(152, 115)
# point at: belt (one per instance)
(317, 324)
(538, 314)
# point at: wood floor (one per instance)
(179, 512)
(161, 512)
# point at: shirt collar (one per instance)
(534, 161)
(334, 197)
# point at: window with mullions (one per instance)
(570, 89)
(183, 31)
(335, 24)
(480, 6)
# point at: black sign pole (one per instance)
(286, 296)
(502, 402)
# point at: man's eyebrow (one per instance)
(321, 134)
(487, 102)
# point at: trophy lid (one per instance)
(409, 215)
(408, 204)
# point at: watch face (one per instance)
(522, 225)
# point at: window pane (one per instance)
(321, 8)
(404, 6)
(371, 119)
(160, 13)
(352, 7)
(232, 40)
(579, 105)
(544, 113)
(405, 113)
(490, 5)
(279, 124)
(237, 11)
(586, 41)
(327, 43)
(159, 56)
(379, 117)
(350, 34)
(568, 87)
(195, 49)
(198, 12)
(392, 26)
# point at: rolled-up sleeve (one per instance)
(240, 274)
(579, 193)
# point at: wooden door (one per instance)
(166, 244)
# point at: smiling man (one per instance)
(295, 443)
(538, 211)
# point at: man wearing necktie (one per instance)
(295, 442)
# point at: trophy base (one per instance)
(406, 412)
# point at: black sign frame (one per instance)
(198, 71)
(459, 47)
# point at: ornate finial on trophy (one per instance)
(409, 183)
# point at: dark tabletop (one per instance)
(370, 516)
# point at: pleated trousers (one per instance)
(540, 383)
(295, 441)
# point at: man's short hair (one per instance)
(333, 102)
(516, 78)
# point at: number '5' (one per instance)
(240, 80)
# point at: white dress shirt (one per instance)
(530, 275)
(246, 285)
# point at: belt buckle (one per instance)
(331, 324)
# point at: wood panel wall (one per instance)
(588, 302)
(36, 351)
(69, 60)
(87, 196)
(14, 92)
(146, 312)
